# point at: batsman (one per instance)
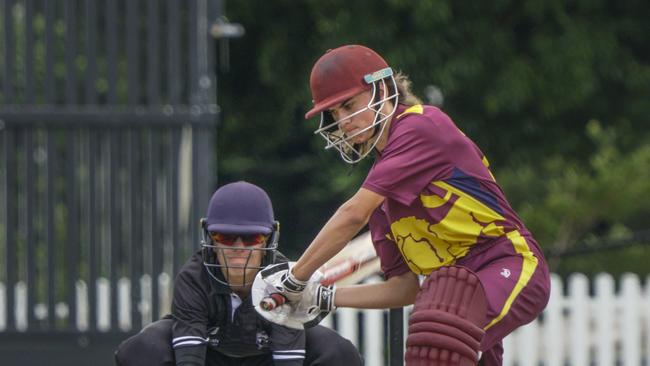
(435, 212)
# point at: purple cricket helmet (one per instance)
(238, 208)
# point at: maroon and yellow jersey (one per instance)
(442, 201)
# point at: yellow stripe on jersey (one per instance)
(487, 165)
(413, 109)
(527, 269)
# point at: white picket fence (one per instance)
(610, 326)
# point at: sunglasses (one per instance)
(230, 239)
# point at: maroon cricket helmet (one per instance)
(339, 75)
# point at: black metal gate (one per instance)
(107, 129)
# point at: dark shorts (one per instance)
(516, 280)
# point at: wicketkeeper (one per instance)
(433, 208)
(213, 321)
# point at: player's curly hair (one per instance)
(406, 95)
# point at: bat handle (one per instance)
(273, 301)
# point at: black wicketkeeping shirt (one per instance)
(203, 319)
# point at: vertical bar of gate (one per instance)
(111, 50)
(112, 59)
(396, 336)
(193, 85)
(173, 159)
(203, 174)
(49, 82)
(93, 223)
(9, 87)
(69, 15)
(192, 33)
(132, 47)
(114, 220)
(91, 51)
(206, 53)
(29, 223)
(135, 172)
(173, 52)
(153, 138)
(196, 205)
(173, 68)
(50, 239)
(11, 224)
(133, 81)
(29, 51)
(72, 243)
(206, 91)
(153, 52)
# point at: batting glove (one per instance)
(269, 289)
(316, 303)
(279, 277)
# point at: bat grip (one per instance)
(273, 301)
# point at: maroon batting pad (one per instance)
(445, 328)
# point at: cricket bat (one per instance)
(357, 261)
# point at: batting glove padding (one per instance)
(317, 301)
(280, 277)
(445, 326)
(271, 281)
(292, 287)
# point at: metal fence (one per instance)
(107, 125)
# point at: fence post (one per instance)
(83, 309)
(630, 325)
(646, 315)
(124, 320)
(527, 344)
(554, 330)
(103, 304)
(348, 324)
(508, 349)
(396, 336)
(603, 311)
(373, 334)
(579, 319)
(3, 308)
